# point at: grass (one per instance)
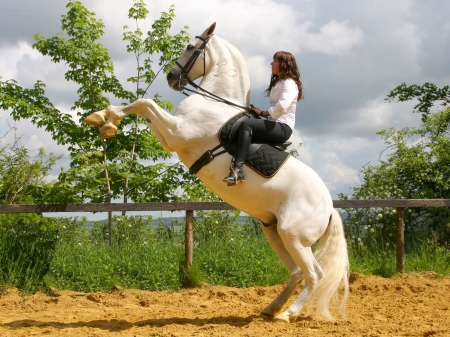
(159, 264)
(26, 249)
(429, 256)
(239, 261)
(93, 266)
(425, 256)
(375, 262)
(42, 254)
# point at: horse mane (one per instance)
(230, 63)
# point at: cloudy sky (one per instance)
(351, 53)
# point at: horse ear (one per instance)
(209, 30)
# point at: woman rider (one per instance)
(277, 122)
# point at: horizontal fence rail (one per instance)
(116, 207)
(203, 206)
(395, 203)
(190, 207)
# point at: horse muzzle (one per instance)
(175, 80)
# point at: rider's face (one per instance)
(275, 67)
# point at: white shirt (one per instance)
(283, 98)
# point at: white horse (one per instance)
(294, 206)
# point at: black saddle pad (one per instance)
(266, 159)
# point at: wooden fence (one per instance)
(190, 207)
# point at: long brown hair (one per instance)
(288, 69)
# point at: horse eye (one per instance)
(190, 47)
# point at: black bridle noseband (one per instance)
(187, 68)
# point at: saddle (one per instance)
(264, 158)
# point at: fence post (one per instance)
(189, 242)
(400, 248)
(110, 234)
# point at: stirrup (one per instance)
(233, 178)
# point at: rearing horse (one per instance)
(294, 205)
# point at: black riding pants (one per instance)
(266, 131)
(258, 130)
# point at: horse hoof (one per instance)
(285, 318)
(108, 131)
(94, 120)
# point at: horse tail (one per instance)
(332, 255)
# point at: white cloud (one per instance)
(334, 38)
(30, 136)
(351, 145)
(259, 71)
(11, 56)
(331, 162)
(446, 30)
(336, 174)
(351, 54)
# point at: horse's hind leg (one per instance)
(277, 244)
(312, 272)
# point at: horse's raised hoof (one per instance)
(108, 131)
(95, 119)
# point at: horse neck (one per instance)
(228, 75)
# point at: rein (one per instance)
(208, 94)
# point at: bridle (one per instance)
(187, 68)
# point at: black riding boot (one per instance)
(236, 172)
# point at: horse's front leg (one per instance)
(160, 137)
(170, 127)
(108, 119)
(111, 116)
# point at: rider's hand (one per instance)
(256, 111)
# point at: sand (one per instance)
(410, 305)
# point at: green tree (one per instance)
(26, 240)
(414, 165)
(103, 170)
(417, 166)
(23, 179)
(428, 94)
(156, 41)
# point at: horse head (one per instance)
(190, 65)
(220, 64)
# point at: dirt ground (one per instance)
(411, 305)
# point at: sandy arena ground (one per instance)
(412, 305)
